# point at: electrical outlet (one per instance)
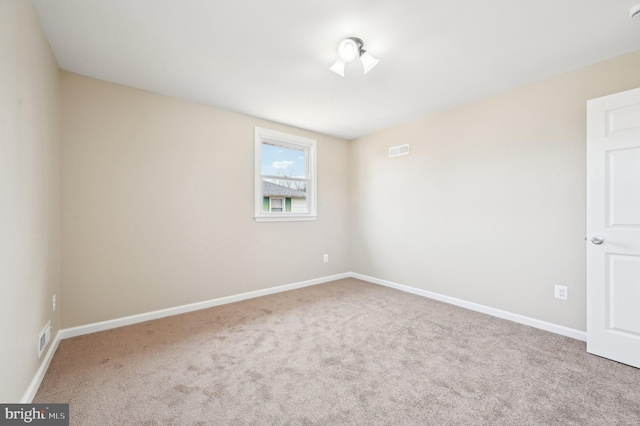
(54, 303)
(326, 258)
(561, 292)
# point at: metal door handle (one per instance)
(597, 240)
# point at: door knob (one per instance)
(597, 240)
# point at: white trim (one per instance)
(287, 141)
(284, 218)
(520, 319)
(280, 177)
(66, 333)
(148, 316)
(32, 389)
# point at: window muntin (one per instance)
(285, 170)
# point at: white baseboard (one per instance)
(134, 319)
(521, 319)
(37, 378)
(66, 333)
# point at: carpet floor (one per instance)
(340, 353)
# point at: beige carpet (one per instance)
(345, 352)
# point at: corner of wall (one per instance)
(30, 185)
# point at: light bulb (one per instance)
(348, 49)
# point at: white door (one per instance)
(613, 227)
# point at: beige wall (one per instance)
(29, 194)
(158, 205)
(157, 200)
(490, 205)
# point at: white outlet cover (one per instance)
(561, 292)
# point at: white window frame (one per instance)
(287, 141)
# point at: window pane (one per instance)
(286, 162)
(291, 195)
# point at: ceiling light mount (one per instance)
(634, 12)
(349, 50)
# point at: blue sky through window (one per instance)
(281, 161)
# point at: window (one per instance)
(285, 177)
(276, 204)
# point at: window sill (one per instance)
(285, 218)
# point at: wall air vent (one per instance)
(43, 338)
(396, 151)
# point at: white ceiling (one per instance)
(270, 58)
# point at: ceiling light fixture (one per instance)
(349, 50)
(634, 11)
